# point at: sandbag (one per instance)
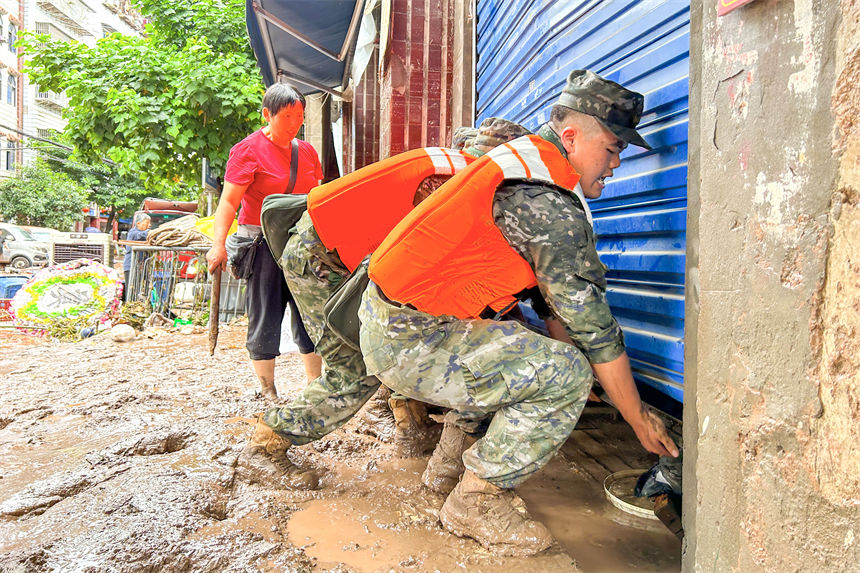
(278, 216)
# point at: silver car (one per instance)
(20, 249)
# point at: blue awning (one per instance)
(308, 43)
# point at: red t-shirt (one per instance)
(265, 169)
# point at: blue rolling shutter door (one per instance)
(525, 50)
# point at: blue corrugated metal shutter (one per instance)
(526, 48)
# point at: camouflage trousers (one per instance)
(534, 387)
(313, 273)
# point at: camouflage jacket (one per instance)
(547, 226)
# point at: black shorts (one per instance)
(266, 298)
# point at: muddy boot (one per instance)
(415, 433)
(264, 461)
(267, 389)
(376, 418)
(494, 517)
(446, 464)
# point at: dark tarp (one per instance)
(308, 43)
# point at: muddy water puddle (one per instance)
(389, 522)
(366, 529)
(600, 536)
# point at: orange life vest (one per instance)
(353, 214)
(447, 257)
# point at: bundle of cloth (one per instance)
(179, 233)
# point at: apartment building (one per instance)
(11, 18)
(26, 110)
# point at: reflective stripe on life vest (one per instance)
(526, 163)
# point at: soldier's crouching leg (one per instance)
(264, 460)
(415, 433)
(445, 467)
(534, 387)
(312, 274)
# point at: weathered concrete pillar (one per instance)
(463, 77)
(772, 421)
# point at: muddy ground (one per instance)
(120, 457)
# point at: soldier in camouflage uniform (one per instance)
(313, 273)
(533, 386)
(463, 137)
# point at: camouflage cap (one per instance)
(493, 132)
(463, 136)
(616, 107)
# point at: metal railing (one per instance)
(59, 100)
(174, 281)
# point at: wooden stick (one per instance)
(214, 310)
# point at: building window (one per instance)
(10, 155)
(12, 90)
(13, 37)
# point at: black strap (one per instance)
(294, 166)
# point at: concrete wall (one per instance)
(361, 120)
(772, 420)
(314, 120)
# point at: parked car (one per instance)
(20, 249)
(43, 234)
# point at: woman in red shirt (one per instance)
(259, 166)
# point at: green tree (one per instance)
(157, 105)
(121, 193)
(39, 195)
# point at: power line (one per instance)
(36, 137)
(52, 142)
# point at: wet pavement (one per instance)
(121, 457)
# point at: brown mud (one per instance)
(121, 457)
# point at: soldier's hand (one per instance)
(652, 434)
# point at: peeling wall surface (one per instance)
(773, 426)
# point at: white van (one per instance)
(20, 249)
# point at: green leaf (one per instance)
(158, 103)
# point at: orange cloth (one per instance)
(447, 257)
(353, 214)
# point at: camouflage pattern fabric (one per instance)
(616, 107)
(313, 273)
(534, 387)
(463, 136)
(493, 132)
(546, 225)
